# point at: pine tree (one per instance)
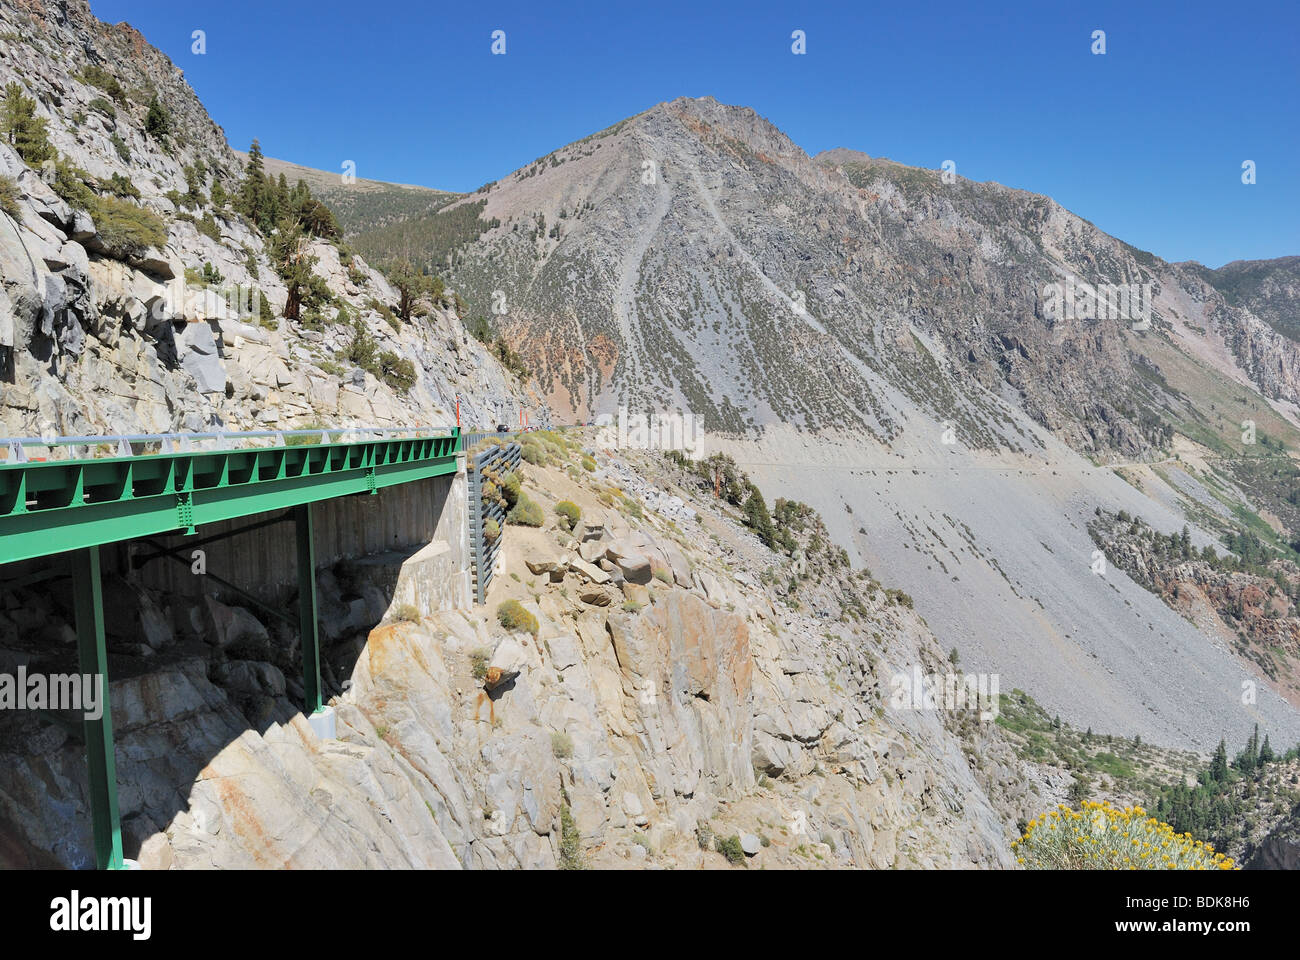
(411, 285)
(158, 122)
(1219, 765)
(281, 204)
(757, 518)
(23, 129)
(250, 199)
(1266, 752)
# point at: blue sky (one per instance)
(1146, 141)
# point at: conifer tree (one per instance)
(23, 129)
(158, 122)
(1219, 765)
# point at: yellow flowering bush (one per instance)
(1102, 837)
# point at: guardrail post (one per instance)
(88, 600)
(307, 610)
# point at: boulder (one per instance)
(635, 568)
(508, 660)
(636, 593)
(540, 565)
(230, 625)
(197, 349)
(588, 571)
(595, 596)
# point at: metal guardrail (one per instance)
(503, 458)
(473, 438)
(123, 445)
(54, 506)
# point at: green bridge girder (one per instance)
(74, 507)
(63, 505)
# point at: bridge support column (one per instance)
(307, 610)
(88, 598)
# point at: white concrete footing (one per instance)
(322, 723)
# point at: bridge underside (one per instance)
(72, 508)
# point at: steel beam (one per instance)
(88, 597)
(307, 610)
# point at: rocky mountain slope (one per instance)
(883, 342)
(1250, 603)
(675, 703)
(136, 298)
(1270, 289)
(875, 340)
(693, 255)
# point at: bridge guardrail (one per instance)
(124, 445)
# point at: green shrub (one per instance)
(407, 612)
(730, 848)
(361, 350)
(71, 183)
(265, 315)
(511, 489)
(526, 513)
(589, 464)
(104, 107)
(208, 227)
(570, 842)
(533, 453)
(570, 512)
(513, 616)
(97, 76)
(703, 835)
(387, 313)
(561, 745)
(479, 660)
(9, 197)
(397, 372)
(123, 151)
(125, 229)
(121, 186)
(491, 530)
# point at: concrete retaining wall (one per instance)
(410, 540)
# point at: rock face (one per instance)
(641, 733)
(1280, 849)
(96, 343)
(1255, 607)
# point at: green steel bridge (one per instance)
(166, 484)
